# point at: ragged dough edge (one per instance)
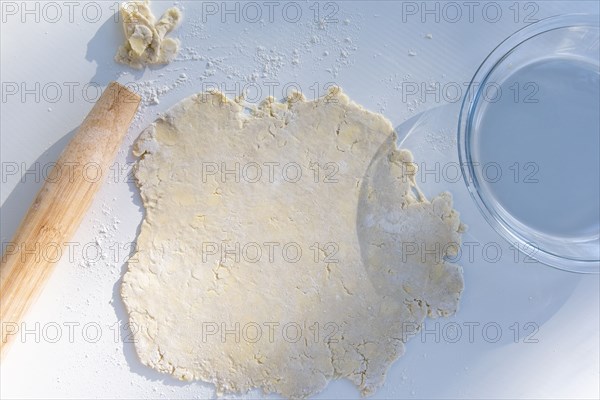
(147, 145)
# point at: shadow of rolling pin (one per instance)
(60, 205)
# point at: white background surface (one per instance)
(368, 53)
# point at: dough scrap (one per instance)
(145, 38)
(211, 300)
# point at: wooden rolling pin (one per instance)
(60, 205)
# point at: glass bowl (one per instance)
(529, 141)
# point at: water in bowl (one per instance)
(538, 147)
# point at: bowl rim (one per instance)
(464, 135)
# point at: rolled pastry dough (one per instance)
(273, 253)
